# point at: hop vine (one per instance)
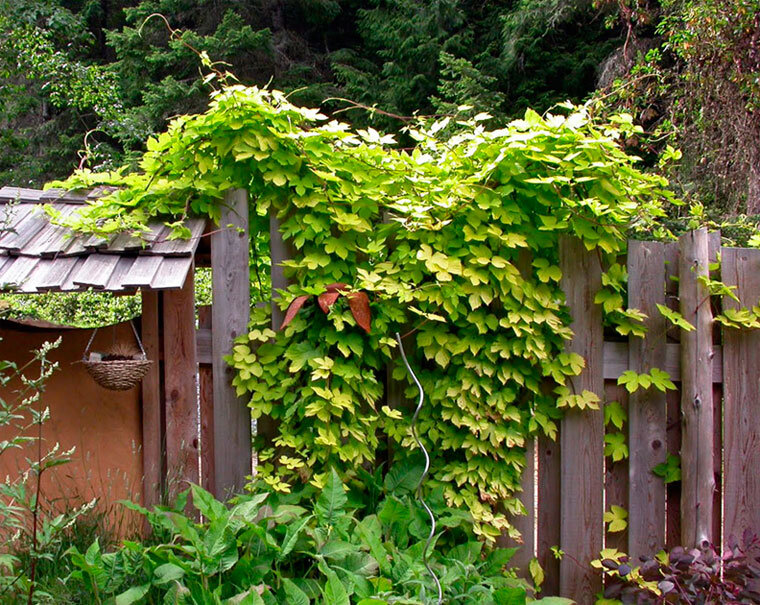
(454, 243)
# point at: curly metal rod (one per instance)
(418, 490)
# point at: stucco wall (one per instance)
(104, 426)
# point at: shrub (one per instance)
(700, 575)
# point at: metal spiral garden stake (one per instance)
(418, 490)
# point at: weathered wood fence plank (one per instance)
(697, 462)
(647, 411)
(152, 402)
(582, 451)
(180, 388)
(548, 517)
(525, 524)
(741, 399)
(206, 407)
(230, 313)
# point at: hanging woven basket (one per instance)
(117, 374)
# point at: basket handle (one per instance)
(134, 331)
(89, 343)
(137, 338)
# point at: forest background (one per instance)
(85, 82)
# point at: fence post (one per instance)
(741, 399)
(582, 432)
(548, 518)
(152, 433)
(698, 480)
(647, 410)
(230, 314)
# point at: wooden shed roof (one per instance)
(37, 256)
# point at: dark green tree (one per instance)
(119, 69)
(52, 91)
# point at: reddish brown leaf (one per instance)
(327, 300)
(359, 304)
(293, 309)
(336, 287)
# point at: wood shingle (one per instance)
(37, 255)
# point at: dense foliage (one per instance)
(52, 92)
(684, 68)
(455, 243)
(111, 69)
(332, 548)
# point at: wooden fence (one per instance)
(194, 427)
(712, 421)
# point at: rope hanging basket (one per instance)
(118, 374)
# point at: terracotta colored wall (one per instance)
(104, 426)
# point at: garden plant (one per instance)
(441, 232)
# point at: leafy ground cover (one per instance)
(333, 546)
